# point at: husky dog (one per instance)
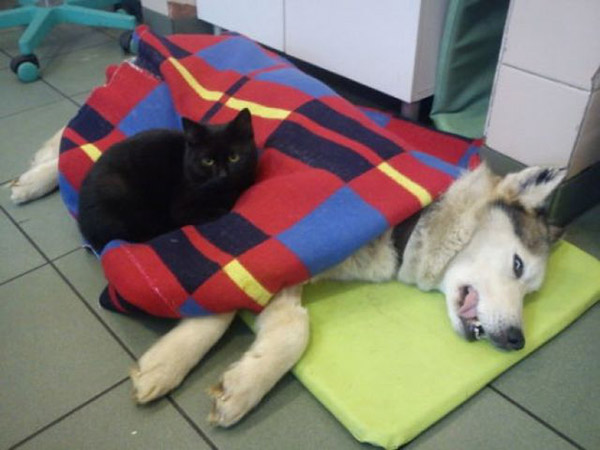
(484, 244)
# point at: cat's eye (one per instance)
(518, 266)
(234, 157)
(208, 162)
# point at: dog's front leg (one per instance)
(164, 366)
(282, 335)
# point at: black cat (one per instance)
(160, 180)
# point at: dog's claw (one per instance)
(232, 398)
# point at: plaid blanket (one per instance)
(331, 176)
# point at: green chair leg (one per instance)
(41, 19)
(42, 22)
(16, 17)
(92, 17)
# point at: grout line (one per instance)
(535, 417)
(73, 411)
(94, 313)
(75, 291)
(27, 272)
(67, 253)
(547, 78)
(62, 94)
(181, 412)
(42, 105)
(191, 423)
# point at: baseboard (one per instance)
(161, 24)
(576, 195)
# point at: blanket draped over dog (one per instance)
(331, 176)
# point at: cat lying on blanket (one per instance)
(160, 180)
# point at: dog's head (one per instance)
(505, 258)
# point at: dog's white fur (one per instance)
(464, 239)
(42, 177)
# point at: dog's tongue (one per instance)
(469, 308)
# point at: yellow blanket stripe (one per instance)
(412, 187)
(92, 151)
(258, 110)
(233, 103)
(247, 283)
(189, 78)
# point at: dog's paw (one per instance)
(236, 394)
(36, 182)
(22, 190)
(152, 383)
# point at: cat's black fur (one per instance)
(160, 180)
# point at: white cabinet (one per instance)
(261, 20)
(389, 45)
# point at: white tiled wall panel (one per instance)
(558, 39)
(534, 120)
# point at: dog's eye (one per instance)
(518, 266)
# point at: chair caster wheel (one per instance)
(127, 43)
(26, 67)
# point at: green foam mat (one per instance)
(384, 359)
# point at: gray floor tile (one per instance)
(559, 382)
(488, 421)
(63, 38)
(22, 134)
(288, 417)
(80, 99)
(55, 354)
(113, 421)
(46, 222)
(84, 271)
(17, 96)
(17, 255)
(79, 71)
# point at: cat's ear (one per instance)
(242, 124)
(193, 131)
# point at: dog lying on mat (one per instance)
(484, 244)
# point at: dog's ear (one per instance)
(531, 187)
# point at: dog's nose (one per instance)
(515, 339)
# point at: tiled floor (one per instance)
(64, 361)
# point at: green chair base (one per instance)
(41, 19)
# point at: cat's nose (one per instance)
(222, 173)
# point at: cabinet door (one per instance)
(373, 42)
(261, 20)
